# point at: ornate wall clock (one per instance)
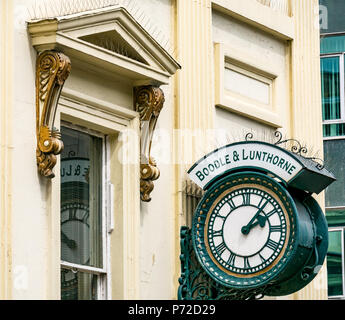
(257, 228)
(249, 231)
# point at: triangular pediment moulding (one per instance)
(110, 41)
(47, 9)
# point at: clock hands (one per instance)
(69, 242)
(261, 220)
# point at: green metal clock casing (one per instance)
(248, 231)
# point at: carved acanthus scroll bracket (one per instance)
(52, 69)
(149, 102)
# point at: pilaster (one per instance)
(194, 96)
(6, 148)
(306, 125)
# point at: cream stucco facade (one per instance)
(204, 55)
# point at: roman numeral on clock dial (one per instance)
(263, 202)
(272, 244)
(246, 198)
(277, 228)
(221, 248)
(272, 212)
(231, 260)
(217, 233)
(261, 258)
(231, 204)
(246, 263)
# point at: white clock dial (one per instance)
(246, 230)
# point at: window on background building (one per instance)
(333, 10)
(333, 103)
(83, 267)
(335, 263)
(335, 215)
(332, 49)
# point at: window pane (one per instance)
(335, 162)
(81, 181)
(335, 21)
(330, 86)
(78, 285)
(333, 130)
(335, 217)
(332, 44)
(334, 264)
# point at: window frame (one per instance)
(338, 228)
(342, 88)
(123, 225)
(342, 230)
(102, 273)
(341, 120)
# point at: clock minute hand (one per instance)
(247, 228)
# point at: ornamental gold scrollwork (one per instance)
(149, 101)
(52, 69)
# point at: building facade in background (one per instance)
(142, 89)
(332, 48)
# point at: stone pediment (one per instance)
(106, 39)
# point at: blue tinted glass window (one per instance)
(330, 86)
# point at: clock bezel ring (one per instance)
(202, 215)
(283, 247)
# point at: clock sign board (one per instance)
(257, 225)
(290, 167)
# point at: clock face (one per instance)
(247, 229)
(243, 230)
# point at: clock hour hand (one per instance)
(261, 220)
(69, 242)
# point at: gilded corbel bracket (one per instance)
(149, 102)
(52, 69)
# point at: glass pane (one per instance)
(335, 217)
(335, 162)
(334, 130)
(332, 44)
(334, 264)
(81, 181)
(78, 285)
(335, 20)
(330, 86)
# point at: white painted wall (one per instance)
(157, 217)
(31, 220)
